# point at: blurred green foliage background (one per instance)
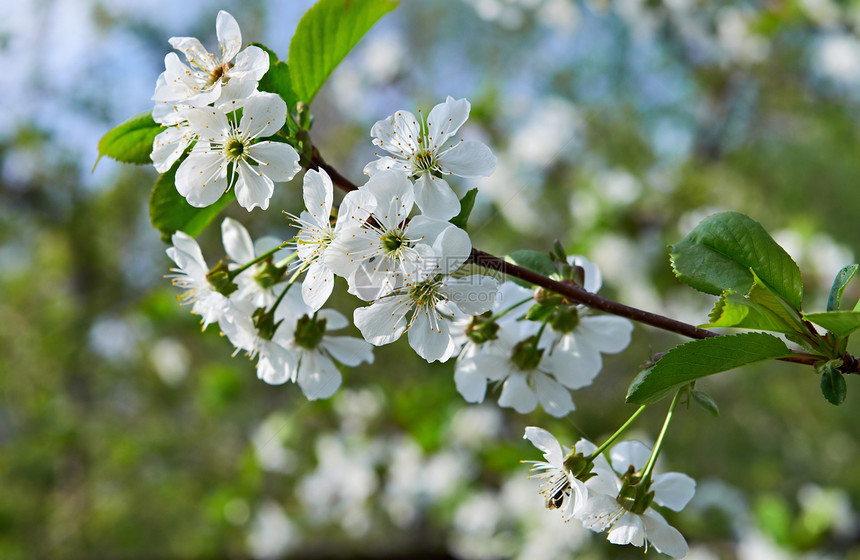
(126, 433)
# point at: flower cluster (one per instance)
(211, 105)
(616, 497)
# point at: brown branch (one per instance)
(571, 292)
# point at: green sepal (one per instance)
(833, 385)
(700, 358)
(724, 251)
(539, 312)
(705, 401)
(325, 35)
(467, 203)
(130, 141)
(842, 279)
(840, 323)
(170, 212)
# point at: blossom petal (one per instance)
(435, 198)
(572, 361)
(593, 278)
(517, 394)
(468, 159)
(252, 188)
(470, 384)
(237, 242)
(210, 124)
(194, 52)
(554, 398)
(394, 195)
(187, 255)
(547, 443)
(397, 134)
(453, 247)
(317, 285)
(350, 248)
(664, 537)
(629, 529)
(430, 337)
(607, 333)
(387, 164)
(630, 452)
(445, 119)
(168, 147)
(354, 210)
(201, 178)
(317, 191)
(473, 294)
(318, 377)
(229, 35)
(382, 322)
(278, 161)
(251, 65)
(334, 319)
(424, 229)
(263, 115)
(673, 490)
(348, 350)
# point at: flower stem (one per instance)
(649, 468)
(290, 282)
(511, 308)
(237, 271)
(618, 433)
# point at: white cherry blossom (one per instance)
(603, 512)
(190, 275)
(427, 151)
(229, 154)
(317, 233)
(241, 250)
(384, 252)
(572, 351)
(558, 485)
(208, 78)
(431, 303)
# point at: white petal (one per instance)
(664, 537)
(387, 164)
(209, 123)
(355, 208)
(435, 198)
(229, 35)
(453, 247)
(629, 529)
(468, 159)
(318, 377)
(382, 322)
(335, 320)
(237, 242)
(263, 115)
(348, 350)
(317, 191)
(430, 337)
(187, 255)
(673, 490)
(630, 452)
(574, 363)
(201, 178)
(278, 161)
(593, 278)
(547, 443)
(491, 365)
(607, 333)
(554, 398)
(397, 134)
(350, 248)
(194, 52)
(423, 229)
(276, 364)
(168, 146)
(317, 285)
(517, 394)
(251, 65)
(445, 119)
(253, 188)
(470, 384)
(394, 195)
(473, 294)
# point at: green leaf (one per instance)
(131, 141)
(536, 261)
(277, 78)
(833, 385)
(325, 35)
(169, 211)
(539, 312)
(466, 205)
(842, 278)
(735, 310)
(840, 323)
(704, 400)
(699, 358)
(720, 253)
